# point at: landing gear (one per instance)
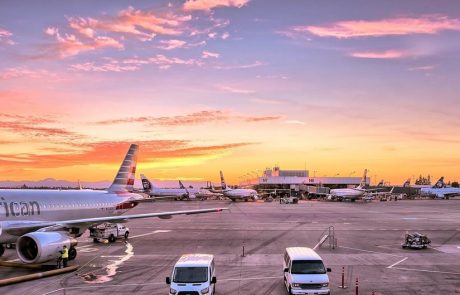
(2, 249)
(72, 253)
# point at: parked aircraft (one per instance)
(200, 193)
(351, 193)
(41, 222)
(237, 193)
(156, 192)
(440, 190)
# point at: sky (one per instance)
(232, 85)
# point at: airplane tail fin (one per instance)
(380, 183)
(146, 184)
(440, 183)
(222, 181)
(407, 183)
(362, 184)
(124, 180)
(181, 185)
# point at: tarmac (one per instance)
(369, 237)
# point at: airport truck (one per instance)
(109, 231)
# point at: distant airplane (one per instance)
(41, 222)
(238, 193)
(156, 192)
(351, 193)
(199, 193)
(440, 190)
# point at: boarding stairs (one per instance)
(327, 235)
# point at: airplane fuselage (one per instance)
(441, 192)
(29, 206)
(347, 193)
(240, 193)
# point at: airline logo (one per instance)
(146, 184)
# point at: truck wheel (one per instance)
(126, 235)
(112, 239)
(2, 249)
(72, 253)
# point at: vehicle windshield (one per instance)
(307, 267)
(190, 275)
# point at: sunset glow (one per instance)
(232, 85)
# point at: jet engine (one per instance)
(39, 247)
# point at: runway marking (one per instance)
(151, 233)
(396, 263)
(101, 286)
(426, 270)
(369, 251)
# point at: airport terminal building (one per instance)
(298, 180)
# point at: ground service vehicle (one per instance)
(109, 231)
(304, 272)
(193, 274)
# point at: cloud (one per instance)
(422, 68)
(22, 72)
(210, 4)
(427, 24)
(225, 35)
(69, 45)
(142, 24)
(32, 126)
(235, 90)
(111, 153)
(171, 44)
(241, 66)
(294, 122)
(5, 37)
(208, 54)
(196, 118)
(133, 64)
(388, 54)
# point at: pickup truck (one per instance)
(108, 231)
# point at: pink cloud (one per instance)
(5, 37)
(235, 90)
(241, 66)
(133, 64)
(208, 54)
(210, 4)
(69, 45)
(422, 68)
(389, 54)
(21, 72)
(143, 24)
(171, 44)
(428, 24)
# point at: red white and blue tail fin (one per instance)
(124, 180)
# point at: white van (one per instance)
(193, 274)
(304, 272)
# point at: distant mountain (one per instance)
(55, 183)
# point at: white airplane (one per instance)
(41, 222)
(238, 193)
(440, 190)
(351, 193)
(156, 192)
(200, 193)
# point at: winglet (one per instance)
(124, 180)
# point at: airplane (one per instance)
(351, 193)
(440, 190)
(41, 222)
(238, 193)
(156, 192)
(199, 193)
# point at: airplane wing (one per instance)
(20, 228)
